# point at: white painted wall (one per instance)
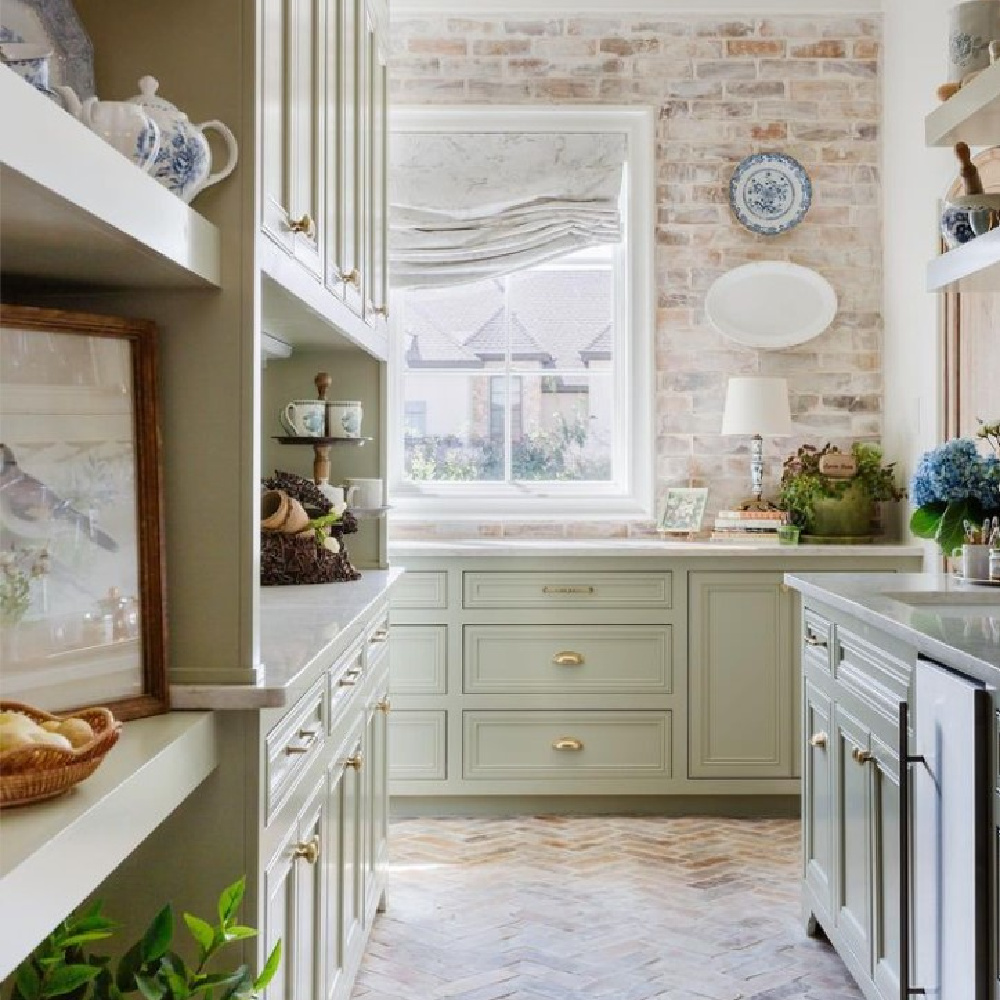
(914, 179)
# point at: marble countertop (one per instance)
(558, 547)
(964, 634)
(301, 630)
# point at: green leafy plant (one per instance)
(62, 965)
(802, 483)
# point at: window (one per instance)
(528, 394)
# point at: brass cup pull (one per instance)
(812, 640)
(348, 680)
(352, 277)
(305, 226)
(380, 635)
(381, 311)
(384, 706)
(356, 762)
(567, 658)
(567, 590)
(568, 743)
(818, 740)
(862, 756)
(309, 849)
(308, 737)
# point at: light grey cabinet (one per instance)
(817, 797)
(740, 668)
(886, 872)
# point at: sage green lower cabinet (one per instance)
(817, 797)
(886, 821)
(741, 676)
(660, 675)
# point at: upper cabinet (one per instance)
(323, 142)
(971, 116)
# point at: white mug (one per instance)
(365, 493)
(304, 418)
(343, 418)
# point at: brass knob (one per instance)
(384, 706)
(357, 762)
(784, 588)
(567, 658)
(308, 849)
(568, 743)
(818, 740)
(352, 277)
(381, 311)
(308, 737)
(812, 640)
(305, 226)
(862, 756)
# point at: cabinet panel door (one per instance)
(375, 285)
(379, 787)
(853, 901)
(276, 44)
(279, 918)
(309, 902)
(333, 859)
(817, 797)
(349, 194)
(352, 844)
(741, 683)
(886, 821)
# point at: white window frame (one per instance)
(630, 494)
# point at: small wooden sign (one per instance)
(838, 466)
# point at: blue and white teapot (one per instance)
(184, 162)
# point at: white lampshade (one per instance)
(757, 405)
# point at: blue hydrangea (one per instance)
(956, 471)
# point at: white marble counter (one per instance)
(961, 629)
(656, 547)
(302, 629)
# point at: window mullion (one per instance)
(508, 416)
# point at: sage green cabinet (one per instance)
(817, 800)
(741, 676)
(886, 873)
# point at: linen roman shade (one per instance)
(469, 206)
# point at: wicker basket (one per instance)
(33, 773)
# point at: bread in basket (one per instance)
(37, 771)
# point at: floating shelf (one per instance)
(368, 513)
(74, 210)
(321, 440)
(972, 115)
(972, 267)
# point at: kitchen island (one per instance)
(900, 806)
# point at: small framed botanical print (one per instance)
(82, 613)
(682, 509)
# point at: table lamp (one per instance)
(757, 406)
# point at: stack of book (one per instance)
(760, 526)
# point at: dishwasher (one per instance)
(945, 800)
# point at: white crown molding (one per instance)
(553, 8)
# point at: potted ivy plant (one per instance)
(829, 505)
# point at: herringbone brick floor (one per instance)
(596, 908)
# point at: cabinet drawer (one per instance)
(570, 659)
(343, 677)
(878, 679)
(418, 660)
(817, 640)
(566, 590)
(377, 642)
(417, 746)
(421, 590)
(294, 744)
(566, 745)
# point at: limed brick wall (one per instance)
(722, 88)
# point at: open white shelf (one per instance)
(299, 311)
(972, 115)
(74, 210)
(56, 853)
(972, 267)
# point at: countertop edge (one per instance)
(648, 549)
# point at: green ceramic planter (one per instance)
(849, 516)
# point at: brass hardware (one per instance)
(348, 680)
(357, 762)
(380, 635)
(381, 311)
(352, 277)
(862, 756)
(784, 588)
(384, 706)
(305, 226)
(567, 658)
(818, 740)
(308, 849)
(567, 743)
(308, 737)
(567, 590)
(812, 640)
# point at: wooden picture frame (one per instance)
(82, 582)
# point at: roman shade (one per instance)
(469, 206)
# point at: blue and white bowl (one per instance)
(956, 226)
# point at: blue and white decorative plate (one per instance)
(770, 193)
(54, 23)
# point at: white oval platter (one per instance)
(771, 304)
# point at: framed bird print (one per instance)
(82, 596)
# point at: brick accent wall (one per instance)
(722, 88)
